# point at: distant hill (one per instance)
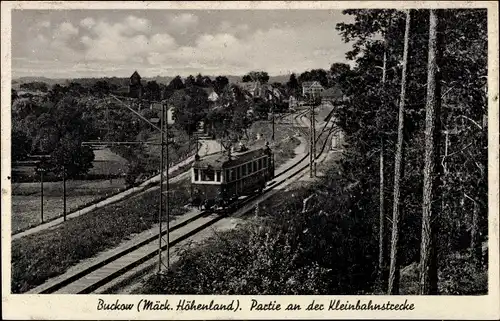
(123, 81)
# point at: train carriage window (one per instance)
(238, 172)
(227, 175)
(264, 162)
(244, 170)
(233, 174)
(249, 167)
(208, 175)
(260, 163)
(196, 174)
(254, 166)
(218, 177)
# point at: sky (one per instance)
(107, 43)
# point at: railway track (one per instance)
(104, 271)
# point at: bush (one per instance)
(245, 261)
(459, 276)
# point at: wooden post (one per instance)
(162, 120)
(167, 205)
(272, 114)
(64, 192)
(314, 135)
(311, 151)
(41, 194)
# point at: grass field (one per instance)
(26, 199)
(46, 254)
(284, 143)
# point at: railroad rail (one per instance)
(105, 271)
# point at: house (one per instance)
(293, 103)
(171, 115)
(312, 88)
(337, 141)
(157, 107)
(252, 87)
(212, 95)
(135, 89)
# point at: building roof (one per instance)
(251, 85)
(220, 161)
(311, 83)
(135, 75)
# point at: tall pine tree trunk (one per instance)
(381, 232)
(381, 238)
(475, 245)
(428, 253)
(393, 284)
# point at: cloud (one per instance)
(276, 50)
(65, 30)
(228, 27)
(87, 22)
(125, 41)
(43, 24)
(182, 23)
(138, 24)
(114, 46)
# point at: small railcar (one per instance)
(218, 180)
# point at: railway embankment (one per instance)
(51, 252)
(281, 248)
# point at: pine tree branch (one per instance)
(473, 121)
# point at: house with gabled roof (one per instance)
(312, 88)
(252, 87)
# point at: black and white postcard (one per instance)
(250, 160)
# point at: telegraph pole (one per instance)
(162, 119)
(272, 112)
(64, 192)
(311, 147)
(41, 192)
(314, 134)
(168, 196)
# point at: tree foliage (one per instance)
(293, 85)
(220, 83)
(260, 76)
(371, 113)
(315, 75)
(176, 83)
(191, 106)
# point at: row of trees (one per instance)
(427, 74)
(260, 76)
(58, 123)
(54, 127)
(327, 78)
